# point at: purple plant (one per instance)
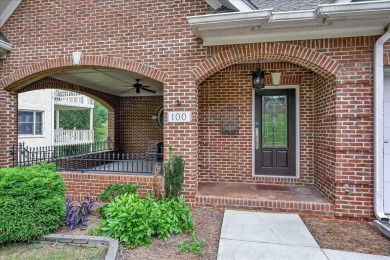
(77, 213)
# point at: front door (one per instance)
(275, 132)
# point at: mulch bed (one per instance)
(208, 223)
(358, 237)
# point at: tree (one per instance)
(69, 119)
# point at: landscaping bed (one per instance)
(358, 237)
(208, 224)
(47, 251)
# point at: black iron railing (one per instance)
(91, 158)
(112, 162)
(23, 155)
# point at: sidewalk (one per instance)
(249, 235)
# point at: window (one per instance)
(30, 122)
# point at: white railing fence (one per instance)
(72, 136)
(69, 98)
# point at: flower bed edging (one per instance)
(83, 240)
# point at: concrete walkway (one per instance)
(256, 235)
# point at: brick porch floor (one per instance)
(275, 198)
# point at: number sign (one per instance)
(179, 117)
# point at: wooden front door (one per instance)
(275, 132)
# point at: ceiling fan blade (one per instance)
(127, 91)
(152, 91)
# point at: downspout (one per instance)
(378, 127)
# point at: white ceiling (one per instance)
(116, 82)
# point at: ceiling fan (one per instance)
(138, 86)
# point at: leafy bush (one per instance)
(136, 221)
(114, 190)
(32, 202)
(77, 212)
(192, 245)
(174, 175)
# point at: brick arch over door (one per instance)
(305, 57)
(33, 72)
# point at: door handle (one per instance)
(386, 141)
(257, 137)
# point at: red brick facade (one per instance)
(154, 39)
(138, 128)
(78, 185)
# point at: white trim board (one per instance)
(297, 132)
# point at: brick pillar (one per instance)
(8, 126)
(354, 148)
(112, 142)
(183, 136)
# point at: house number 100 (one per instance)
(178, 117)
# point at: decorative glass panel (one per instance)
(274, 121)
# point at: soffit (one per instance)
(115, 82)
(326, 21)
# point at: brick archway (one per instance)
(305, 57)
(33, 72)
(109, 101)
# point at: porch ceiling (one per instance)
(115, 82)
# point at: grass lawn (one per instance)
(46, 251)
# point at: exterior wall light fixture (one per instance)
(258, 80)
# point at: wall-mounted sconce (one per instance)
(258, 80)
(76, 57)
(276, 78)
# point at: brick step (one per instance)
(271, 205)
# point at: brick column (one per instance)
(183, 136)
(8, 126)
(354, 148)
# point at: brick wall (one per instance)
(228, 158)
(153, 38)
(324, 135)
(138, 130)
(79, 185)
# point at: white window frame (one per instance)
(34, 122)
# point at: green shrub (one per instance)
(136, 221)
(32, 202)
(174, 175)
(192, 245)
(114, 190)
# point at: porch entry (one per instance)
(275, 133)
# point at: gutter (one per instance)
(325, 21)
(5, 47)
(378, 128)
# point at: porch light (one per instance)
(258, 80)
(276, 77)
